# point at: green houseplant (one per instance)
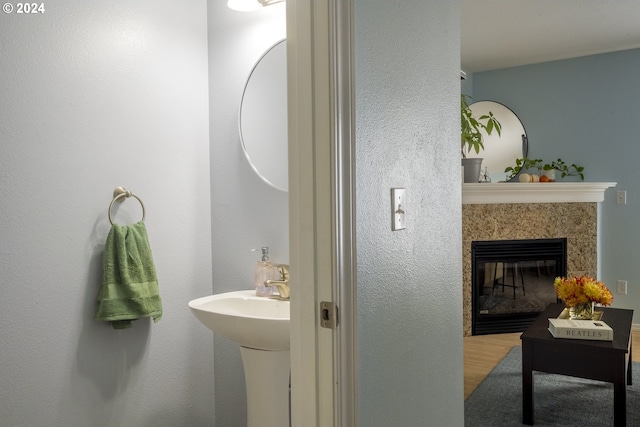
(526, 164)
(472, 138)
(564, 169)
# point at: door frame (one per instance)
(321, 211)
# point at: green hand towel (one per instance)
(129, 288)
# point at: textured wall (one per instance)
(96, 95)
(575, 221)
(409, 295)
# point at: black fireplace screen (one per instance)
(512, 282)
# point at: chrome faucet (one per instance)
(281, 285)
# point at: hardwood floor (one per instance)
(483, 352)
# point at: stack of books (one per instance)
(580, 329)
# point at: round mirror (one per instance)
(263, 117)
(501, 151)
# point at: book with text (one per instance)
(580, 329)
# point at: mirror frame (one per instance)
(262, 117)
(491, 141)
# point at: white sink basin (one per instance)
(249, 321)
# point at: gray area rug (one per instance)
(558, 400)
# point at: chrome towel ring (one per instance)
(119, 194)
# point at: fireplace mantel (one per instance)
(536, 192)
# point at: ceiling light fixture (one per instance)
(250, 5)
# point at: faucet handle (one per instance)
(284, 272)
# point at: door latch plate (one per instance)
(328, 315)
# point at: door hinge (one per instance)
(329, 315)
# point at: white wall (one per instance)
(409, 292)
(96, 95)
(246, 213)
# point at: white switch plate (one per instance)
(622, 287)
(621, 197)
(398, 207)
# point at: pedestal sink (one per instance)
(260, 326)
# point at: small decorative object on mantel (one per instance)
(484, 177)
(546, 171)
(580, 294)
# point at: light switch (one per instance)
(398, 208)
(621, 197)
(622, 287)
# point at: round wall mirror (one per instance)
(263, 117)
(501, 151)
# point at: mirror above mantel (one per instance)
(501, 151)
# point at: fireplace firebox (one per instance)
(512, 282)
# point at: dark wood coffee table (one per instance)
(608, 361)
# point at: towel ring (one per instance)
(119, 194)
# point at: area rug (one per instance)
(558, 400)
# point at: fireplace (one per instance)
(512, 282)
(515, 211)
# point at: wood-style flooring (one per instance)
(483, 352)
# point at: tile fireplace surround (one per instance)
(514, 211)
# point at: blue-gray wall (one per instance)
(586, 111)
(407, 57)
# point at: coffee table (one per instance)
(608, 361)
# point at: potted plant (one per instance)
(565, 170)
(546, 172)
(472, 137)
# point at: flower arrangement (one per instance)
(582, 290)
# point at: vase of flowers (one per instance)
(580, 294)
(581, 311)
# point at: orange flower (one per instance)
(582, 290)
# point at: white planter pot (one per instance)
(551, 174)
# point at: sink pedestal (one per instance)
(267, 376)
(260, 326)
